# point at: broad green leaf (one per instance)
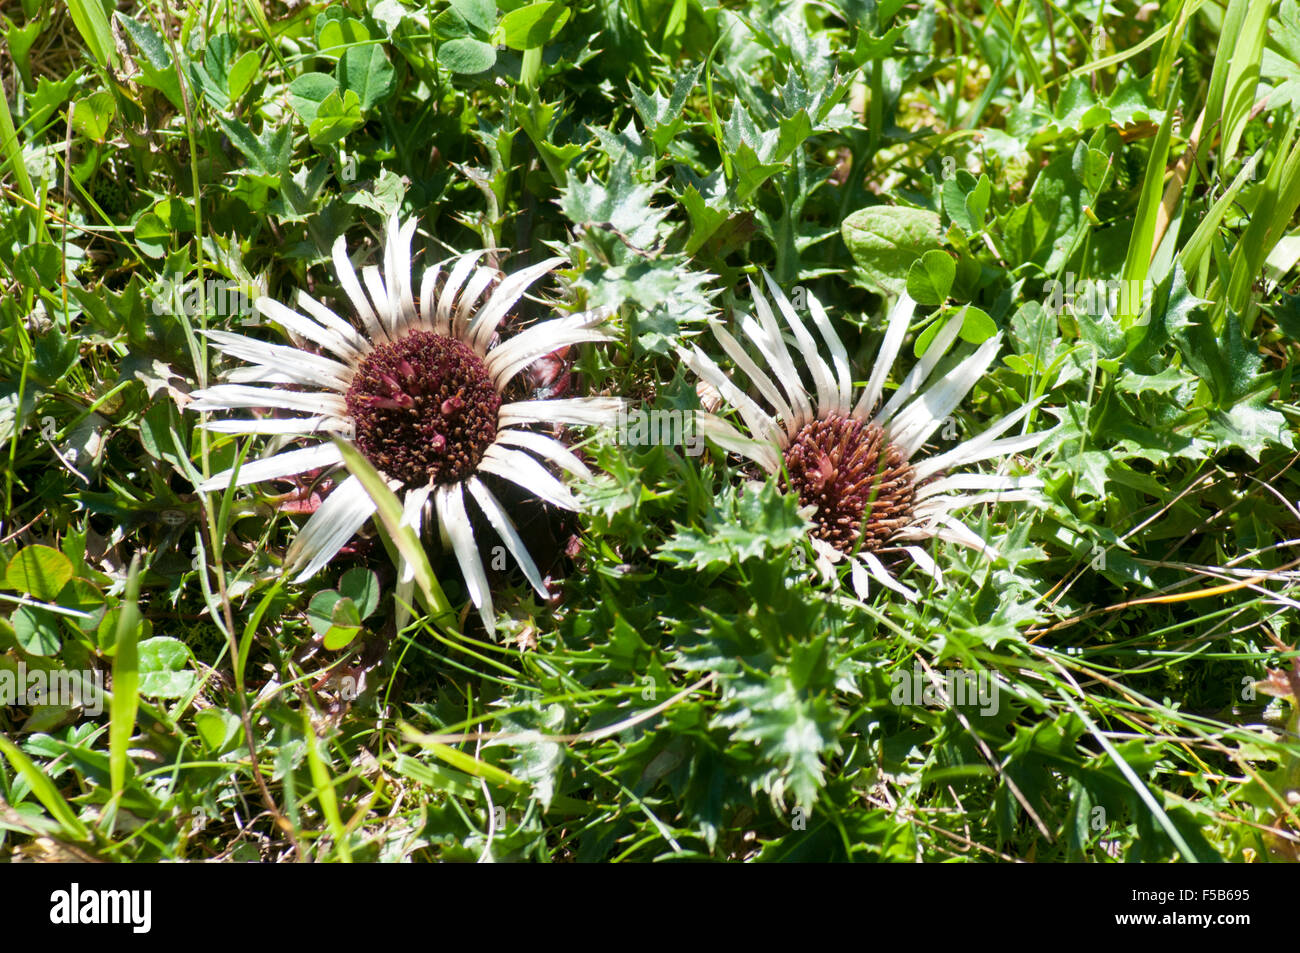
(93, 115)
(886, 240)
(36, 630)
(106, 634)
(216, 727)
(976, 326)
(164, 668)
(335, 36)
(481, 13)
(365, 71)
(533, 25)
(83, 596)
(930, 279)
(362, 587)
(39, 571)
(320, 611)
(242, 73)
(336, 117)
(308, 91)
(450, 25)
(38, 265)
(345, 624)
(467, 55)
(152, 236)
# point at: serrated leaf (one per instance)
(1167, 380)
(268, 153)
(793, 730)
(748, 522)
(1251, 427)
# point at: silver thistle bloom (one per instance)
(418, 388)
(854, 463)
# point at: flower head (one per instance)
(853, 464)
(418, 386)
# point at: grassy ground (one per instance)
(694, 690)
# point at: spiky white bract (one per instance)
(827, 433)
(362, 375)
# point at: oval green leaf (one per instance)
(36, 630)
(885, 240)
(533, 25)
(467, 56)
(930, 278)
(39, 571)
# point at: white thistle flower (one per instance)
(417, 388)
(853, 463)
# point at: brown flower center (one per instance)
(861, 485)
(424, 408)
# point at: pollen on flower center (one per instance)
(859, 482)
(424, 408)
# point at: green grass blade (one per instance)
(1279, 198)
(404, 538)
(1243, 76)
(1126, 769)
(11, 151)
(44, 790)
(126, 681)
(1141, 247)
(1199, 243)
(324, 789)
(92, 23)
(1173, 42)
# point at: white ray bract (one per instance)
(460, 299)
(918, 406)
